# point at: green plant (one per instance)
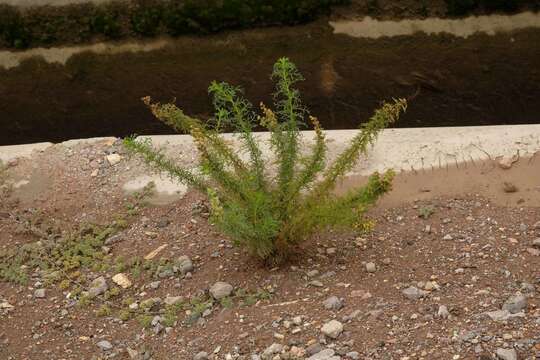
(103, 311)
(425, 212)
(270, 212)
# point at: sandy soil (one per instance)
(455, 234)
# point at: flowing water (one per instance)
(473, 71)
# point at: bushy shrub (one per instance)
(271, 205)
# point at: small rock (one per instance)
(371, 267)
(39, 294)
(506, 354)
(413, 293)
(354, 355)
(220, 290)
(272, 350)
(173, 300)
(314, 349)
(121, 280)
(447, 237)
(201, 356)
(515, 304)
(503, 315)
(508, 187)
(326, 354)
(113, 159)
(507, 161)
(536, 243)
(332, 329)
(443, 312)
(184, 264)
(333, 303)
(104, 345)
(98, 287)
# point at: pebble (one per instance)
(371, 267)
(536, 243)
(503, 315)
(104, 345)
(122, 280)
(332, 329)
(173, 300)
(413, 293)
(113, 159)
(185, 265)
(201, 356)
(98, 287)
(515, 304)
(326, 354)
(272, 350)
(221, 290)
(333, 303)
(39, 293)
(443, 312)
(506, 354)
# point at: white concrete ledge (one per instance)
(408, 148)
(399, 149)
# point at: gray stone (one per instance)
(39, 294)
(506, 354)
(371, 267)
(413, 293)
(314, 349)
(332, 329)
(503, 315)
(104, 345)
(333, 303)
(184, 264)
(443, 312)
(98, 287)
(272, 350)
(173, 300)
(354, 355)
(326, 354)
(515, 304)
(220, 290)
(201, 356)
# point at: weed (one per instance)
(145, 320)
(104, 311)
(270, 212)
(124, 315)
(425, 212)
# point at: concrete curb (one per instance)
(400, 149)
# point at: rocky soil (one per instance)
(442, 278)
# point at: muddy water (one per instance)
(488, 77)
(518, 186)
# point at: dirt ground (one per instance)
(463, 254)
